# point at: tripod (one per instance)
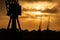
(13, 19)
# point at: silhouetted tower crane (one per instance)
(13, 10)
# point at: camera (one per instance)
(14, 9)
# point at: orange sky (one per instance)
(31, 22)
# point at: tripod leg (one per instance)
(18, 24)
(9, 23)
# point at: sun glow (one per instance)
(37, 7)
(38, 13)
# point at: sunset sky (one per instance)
(31, 11)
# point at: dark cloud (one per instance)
(59, 6)
(53, 10)
(47, 10)
(36, 0)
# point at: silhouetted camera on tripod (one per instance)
(13, 10)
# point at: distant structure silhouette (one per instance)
(48, 25)
(13, 10)
(48, 22)
(40, 23)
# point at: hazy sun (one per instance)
(37, 7)
(38, 13)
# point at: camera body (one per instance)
(14, 9)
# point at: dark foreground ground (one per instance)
(26, 35)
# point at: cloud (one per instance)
(35, 0)
(53, 10)
(47, 10)
(58, 6)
